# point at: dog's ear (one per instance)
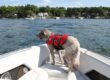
(45, 29)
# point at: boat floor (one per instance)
(57, 72)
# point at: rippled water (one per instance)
(93, 34)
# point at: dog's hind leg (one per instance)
(72, 59)
(76, 58)
(69, 62)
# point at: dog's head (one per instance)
(45, 33)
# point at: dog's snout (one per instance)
(40, 35)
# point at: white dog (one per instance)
(68, 43)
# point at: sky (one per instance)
(58, 3)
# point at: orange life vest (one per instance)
(57, 41)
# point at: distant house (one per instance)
(45, 14)
(73, 16)
(42, 15)
(12, 15)
(15, 15)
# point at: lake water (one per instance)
(93, 34)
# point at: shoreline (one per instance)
(51, 18)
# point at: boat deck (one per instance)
(57, 72)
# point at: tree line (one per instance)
(30, 10)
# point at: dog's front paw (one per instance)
(53, 63)
(66, 71)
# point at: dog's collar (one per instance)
(52, 33)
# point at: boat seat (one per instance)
(54, 70)
(38, 74)
(57, 72)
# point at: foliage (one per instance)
(31, 10)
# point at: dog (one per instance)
(58, 42)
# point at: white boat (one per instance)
(57, 18)
(81, 18)
(31, 18)
(32, 64)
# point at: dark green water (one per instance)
(93, 34)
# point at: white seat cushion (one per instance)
(38, 74)
(55, 70)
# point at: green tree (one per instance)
(30, 10)
(42, 9)
(53, 12)
(69, 12)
